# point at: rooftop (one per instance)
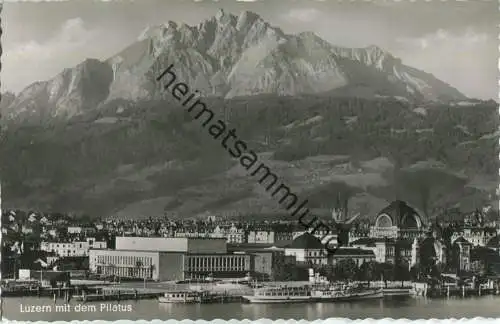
(352, 252)
(306, 241)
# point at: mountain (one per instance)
(227, 56)
(134, 160)
(103, 138)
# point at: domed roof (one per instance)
(400, 215)
(306, 241)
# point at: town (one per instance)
(56, 250)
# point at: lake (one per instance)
(408, 307)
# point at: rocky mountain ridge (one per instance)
(227, 56)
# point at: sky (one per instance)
(456, 41)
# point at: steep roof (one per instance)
(371, 241)
(306, 241)
(364, 241)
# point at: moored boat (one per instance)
(180, 297)
(340, 292)
(281, 294)
(315, 293)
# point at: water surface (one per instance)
(411, 308)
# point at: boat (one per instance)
(315, 293)
(397, 291)
(338, 292)
(180, 297)
(280, 294)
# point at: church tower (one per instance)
(337, 211)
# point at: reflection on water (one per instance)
(412, 308)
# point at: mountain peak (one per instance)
(220, 13)
(247, 18)
(224, 17)
(171, 24)
(308, 34)
(229, 56)
(377, 51)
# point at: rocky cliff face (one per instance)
(228, 56)
(70, 93)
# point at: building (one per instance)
(81, 230)
(404, 251)
(494, 244)
(307, 249)
(262, 236)
(398, 220)
(387, 250)
(170, 258)
(164, 266)
(75, 248)
(461, 253)
(232, 234)
(327, 236)
(477, 236)
(172, 244)
(220, 266)
(383, 249)
(47, 278)
(269, 262)
(359, 256)
(283, 237)
(136, 264)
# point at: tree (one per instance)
(386, 272)
(368, 271)
(401, 272)
(328, 271)
(345, 269)
(416, 272)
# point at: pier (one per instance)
(424, 290)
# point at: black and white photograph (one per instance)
(267, 159)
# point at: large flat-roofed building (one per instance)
(152, 265)
(169, 258)
(218, 266)
(165, 266)
(172, 244)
